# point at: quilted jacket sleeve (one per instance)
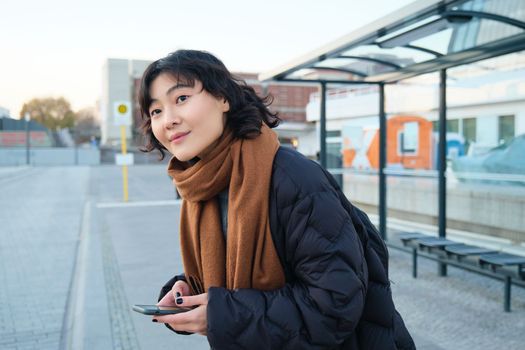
(321, 307)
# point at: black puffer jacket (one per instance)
(337, 293)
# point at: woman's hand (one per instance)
(194, 321)
(179, 289)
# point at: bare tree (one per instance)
(86, 125)
(53, 113)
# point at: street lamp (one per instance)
(27, 118)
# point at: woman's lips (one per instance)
(178, 138)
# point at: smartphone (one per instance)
(159, 310)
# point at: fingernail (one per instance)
(178, 294)
(178, 301)
(154, 321)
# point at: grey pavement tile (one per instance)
(460, 311)
(37, 248)
(40, 218)
(7, 340)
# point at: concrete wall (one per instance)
(487, 131)
(494, 210)
(520, 123)
(50, 156)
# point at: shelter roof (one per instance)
(422, 37)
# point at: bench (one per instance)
(460, 251)
(470, 257)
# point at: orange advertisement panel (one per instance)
(419, 156)
(409, 144)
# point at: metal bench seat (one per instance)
(410, 236)
(442, 250)
(502, 259)
(505, 260)
(467, 250)
(435, 242)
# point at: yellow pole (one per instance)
(124, 167)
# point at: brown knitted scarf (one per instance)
(248, 259)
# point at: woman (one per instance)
(274, 255)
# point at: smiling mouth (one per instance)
(179, 137)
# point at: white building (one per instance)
(485, 102)
(118, 76)
(4, 112)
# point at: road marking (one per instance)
(138, 204)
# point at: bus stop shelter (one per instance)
(427, 36)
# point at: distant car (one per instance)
(508, 158)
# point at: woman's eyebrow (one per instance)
(177, 86)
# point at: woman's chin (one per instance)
(184, 157)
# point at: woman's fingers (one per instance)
(193, 321)
(186, 301)
(167, 300)
(179, 289)
(182, 288)
(192, 300)
(178, 319)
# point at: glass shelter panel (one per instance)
(401, 56)
(508, 8)
(486, 184)
(412, 185)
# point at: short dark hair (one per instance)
(247, 110)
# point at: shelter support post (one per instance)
(442, 162)
(322, 125)
(382, 162)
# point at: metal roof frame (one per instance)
(400, 29)
(437, 13)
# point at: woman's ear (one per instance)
(225, 105)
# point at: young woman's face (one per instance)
(187, 120)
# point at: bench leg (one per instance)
(442, 269)
(414, 262)
(506, 301)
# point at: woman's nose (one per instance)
(171, 118)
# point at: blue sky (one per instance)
(57, 47)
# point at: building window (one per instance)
(452, 125)
(505, 128)
(333, 133)
(469, 132)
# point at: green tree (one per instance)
(53, 113)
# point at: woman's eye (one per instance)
(154, 112)
(182, 98)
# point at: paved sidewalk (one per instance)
(58, 223)
(40, 218)
(461, 311)
(133, 251)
